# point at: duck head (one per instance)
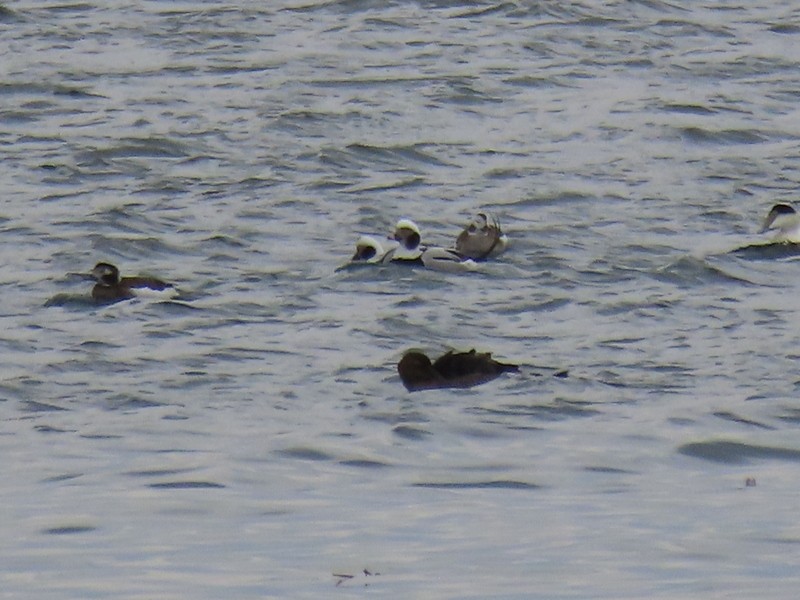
(105, 274)
(407, 234)
(368, 250)
(417, 372)
(777, 217)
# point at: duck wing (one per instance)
(465, 369)
(448, 260)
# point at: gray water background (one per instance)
(254, 441)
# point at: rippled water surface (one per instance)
(253, 440)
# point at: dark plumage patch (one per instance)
(783, 209)
(779, 211)
(410, 239)
(365, 253)
(108, 294)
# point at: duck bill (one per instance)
(82, 276)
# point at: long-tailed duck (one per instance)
(370, 250)
(452, 370)
(111, 288)
(482, 237)
(409, 239)
(411, 251)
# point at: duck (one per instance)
(482, 237)
(370, 250)
(411, 251)
(451, 370)
(111, 288)
(784, 222)
(409, 243)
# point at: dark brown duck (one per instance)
(111, 288)
(452, 370)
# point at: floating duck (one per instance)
(481, 238)
(110, 288)
(452, 370)
(370, 250)
(411, 251)
(784, 222)
(409, 239)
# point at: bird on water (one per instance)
(451, 370)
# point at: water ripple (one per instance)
(238, 150)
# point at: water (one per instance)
(254, 441)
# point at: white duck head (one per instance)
(368, 250)
(407, 234)
(784, 221)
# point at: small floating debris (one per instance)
(342, 577)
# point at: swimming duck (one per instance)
(410, 251)
(409, 239)
(370, 250)
(110, 288)
(481, 238)
(785, 222)
(452, 370)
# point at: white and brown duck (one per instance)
(110, 287)
(482, 238)
(411, 251)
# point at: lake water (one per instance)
(254, 439)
